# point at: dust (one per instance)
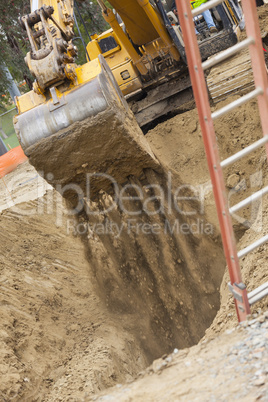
(158, 261)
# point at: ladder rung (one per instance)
(249, 200)
(228, 53)
(259, 296)
(258, 293)
(251, 148)
(207, 6)
(253, 246)
(236, 103)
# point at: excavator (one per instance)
(77, 120)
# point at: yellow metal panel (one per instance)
(119, 56)
(127, 85)
(131, 86)
(138, 25)
(88, 71)
(118, 60)
(85, 73)
(93, 49)
(28, 101)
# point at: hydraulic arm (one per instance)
(50, 31)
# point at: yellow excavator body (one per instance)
(76, 120)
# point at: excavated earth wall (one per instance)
(96, 313)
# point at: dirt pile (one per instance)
(186, 154)
(263, 20)
(54, 328)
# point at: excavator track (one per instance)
(232, 77)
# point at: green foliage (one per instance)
(6, 122)
(13, 45)
(12, 141)
(6, 125)
(94, 22)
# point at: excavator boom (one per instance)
(138, 25)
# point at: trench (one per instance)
(83, 313)
(158, 279)
(156, 261)
(103, 305)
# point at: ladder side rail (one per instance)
(213, 158)
(257, 61)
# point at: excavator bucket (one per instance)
(87, 140)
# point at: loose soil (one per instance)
(230, 367)
(74, 323)
(81, 313)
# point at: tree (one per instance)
(14, 43)
(93, 23)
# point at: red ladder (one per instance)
(243, 300)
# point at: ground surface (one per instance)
(52, 322)
(80, 314)
(231, 367)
